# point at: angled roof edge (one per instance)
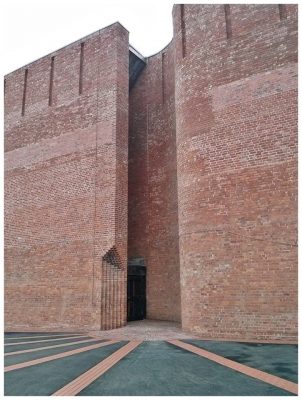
(135, 52)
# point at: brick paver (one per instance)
(56, 356)
(41, 341)
(92, 374)
(146, 330)
(42, 336)
(136, 332)
(49, 347)
(252, 372)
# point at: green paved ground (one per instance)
(42, 339)
(9, 349)
(18, 358)
(276, 359)
(44, 379)
(21, 334)
(153, 368)
(161, 369)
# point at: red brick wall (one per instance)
(153, 214)
(236, 128)
(66, 188)
(212, 200)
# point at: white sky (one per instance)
(34, 28)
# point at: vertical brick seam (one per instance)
(183, 30)
(51, 77)
(24, 91)
(228, 22)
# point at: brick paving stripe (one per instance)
(57, 356)
(44, 336)
(41, 341)
(78, 384)
(50, 347)
(252, 372)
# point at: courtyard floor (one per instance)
(145, 358)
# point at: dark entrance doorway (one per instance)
(136, 293)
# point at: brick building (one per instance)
(178, 171)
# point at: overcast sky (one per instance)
(34, 28)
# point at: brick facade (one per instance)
(66, 187)
(212, 187)
(236, 130)
(153, 211)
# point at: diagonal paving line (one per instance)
(39, 341)
(49, 347)
(44, 336)
(82, 381)
(57, 356)
(244, 369)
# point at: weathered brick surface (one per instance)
(66, 188)
(153, 212)
(236, 128)
(212, 202)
